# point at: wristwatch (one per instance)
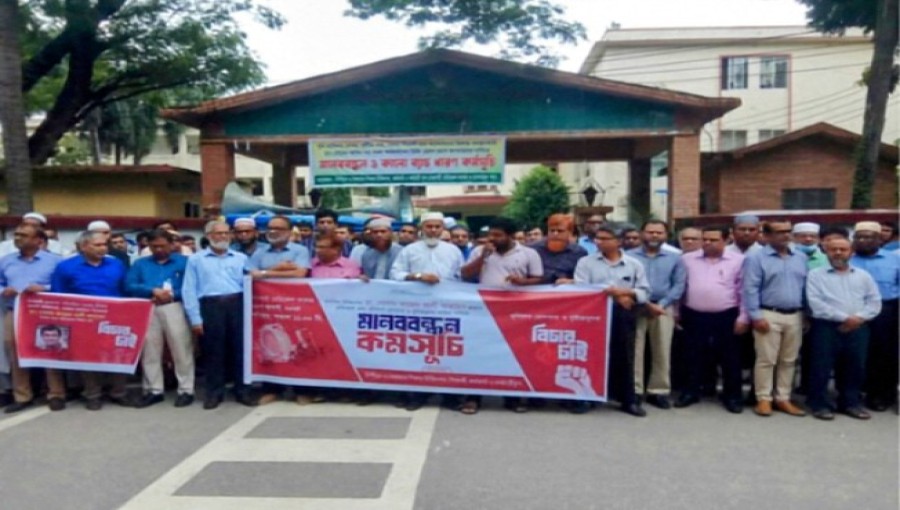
(417, 276)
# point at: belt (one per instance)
(785, 311)
(223, 298)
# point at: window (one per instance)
(300, 186)
(808, 198)
(193, 144)
(773, 72)
(730, 139)
(255, 186)
(416, 191)
(766, 134)
(191, 210)
(478, 188)
(734, 73)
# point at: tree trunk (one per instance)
(876, 104)
(12, 113)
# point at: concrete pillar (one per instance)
(217, 170)
(684, 177)
(639, 189)
(284, 189)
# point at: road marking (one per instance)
(407, 456)
(25, 416)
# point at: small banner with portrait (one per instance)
(74, 332)
(543, 341)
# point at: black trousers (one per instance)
(621, 355)
(845, 353)
(884, 354)
(222, 343)
(710, 337)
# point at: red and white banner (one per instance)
(76, 332)
(545, 341)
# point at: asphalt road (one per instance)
(344, 456)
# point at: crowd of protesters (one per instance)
(780, 306)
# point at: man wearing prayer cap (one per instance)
(806, 239)
(246, 237)
(37, 220)
(101, 227)
(882, 360)
(744, 234)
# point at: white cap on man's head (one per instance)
(806, 228)
(98, 226)
(244, 222)
(35, 216)
(380, 223)
(432, 216)
(869, 226)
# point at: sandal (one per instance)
(469, 407)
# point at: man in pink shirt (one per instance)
(329, 263)
(712, 315)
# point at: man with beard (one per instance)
(246, 237)
(884, 267)
(407, 234)
(656, 318)
(429, 261)
(159, 278)
(589, 228)
(279, 259)
(213, 294)
(744, 234)
(558, 254)
(365, 240)
(626, 284)
(843, 300)
(502, 261)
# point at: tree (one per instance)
(879, 17)
(17, 169)
(538, 195)
(336, 198)
(523, 28)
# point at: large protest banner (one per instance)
(76, 332)
(407, 160)
(452, 337)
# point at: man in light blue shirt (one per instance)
(884, 349)
(214, 301)
(843, 300)
(772, 293)
(667, 277)
(589, 229)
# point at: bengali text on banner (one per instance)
(543, 341)
(68, 331)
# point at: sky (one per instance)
(318, 39)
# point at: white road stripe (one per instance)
(25, 416)
(407, 455)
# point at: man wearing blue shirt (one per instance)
(28, 269)
(588, 230)
(213, 294)
(159, 278)
(667, 277)
(884, 267)
(94, 273)
(772, 292)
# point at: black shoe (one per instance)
(733, 406)
(877, 405)
(94, 404)
(15, 407)
(149, 399)
(823, 414)
(56, 404)
(123, 401)
(660, 401)
(686, 400)
(211, 402)
(856, 412)
(247, 399)
(634, 410)
(184, 400)
(580, 407)
(415, 402)
(6, 399)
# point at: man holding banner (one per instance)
(27, 270)
(628, 286)
(213, 294)
(94, 273)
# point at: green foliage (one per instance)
(336, 198)
(378, 191)
(522, 27)
(71, 150)
(538, 195)
(835, 16)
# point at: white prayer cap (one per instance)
(98, 225)
(806, 228)
(749, 219)
(432, 216)
(449, 222)
(244, 222)
(35, 216)
(380, 223)
(870, 226)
